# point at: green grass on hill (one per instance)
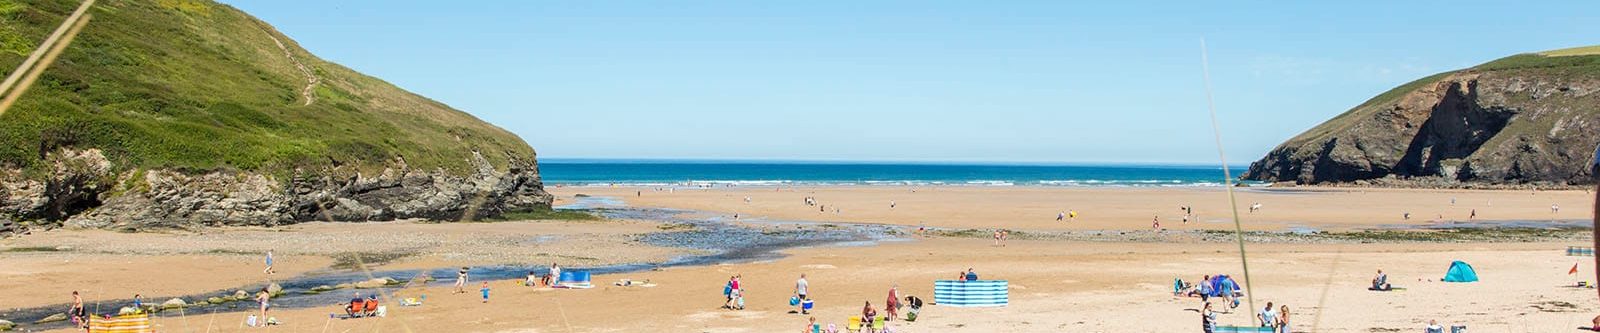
(1581, 50)
(1578, 61)
(195, 85)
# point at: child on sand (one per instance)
(485, 290)
(264, 299)
(268, 270)
(461, 280)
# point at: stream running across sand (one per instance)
(721, 240)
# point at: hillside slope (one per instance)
(183, 112)
(1527, 119)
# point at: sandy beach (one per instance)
(1036, 208)
(1081, 286)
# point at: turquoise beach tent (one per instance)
(1461, 272)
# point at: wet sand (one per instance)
(1036, 208)
(43, 268)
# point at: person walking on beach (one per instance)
(1155, 223)
(461, 280)
(727, 292)
(1061, 216)
(79, 314)
(1474, 215)
(268, 270)
(1208, 318)
(997, 238)
(485, 290)
(1555, 209)
(263, 300)
(1072, 215)
(800, 289)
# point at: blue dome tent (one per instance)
(1461, 272)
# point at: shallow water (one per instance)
(726, 241)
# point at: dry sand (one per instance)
(1076, 287)
(1057, 286)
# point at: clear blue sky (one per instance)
(1095, 81)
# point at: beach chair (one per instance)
(853, 325)
(1242, 329)
(354, 309)
(877, 324)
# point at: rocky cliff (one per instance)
(185, 113)
(1529, 119)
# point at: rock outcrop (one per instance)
(162, 199)
(1529, 119)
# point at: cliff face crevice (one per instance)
(1516, 121)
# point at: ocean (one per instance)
(765, 173)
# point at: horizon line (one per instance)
(703, 160)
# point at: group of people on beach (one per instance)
(892, 307)
(1067, 215)
(1276, 319)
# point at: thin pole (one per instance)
(1227, 177)
(39, 52)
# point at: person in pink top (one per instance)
(891, 308)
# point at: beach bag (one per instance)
(727, 289)
(793, 301)
(250, 321)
